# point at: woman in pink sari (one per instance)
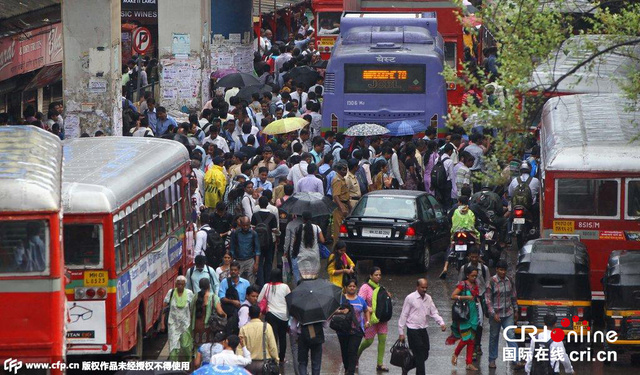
(430, 160)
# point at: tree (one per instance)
(567, 39)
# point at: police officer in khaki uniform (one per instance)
(352, 182)
(340, 197)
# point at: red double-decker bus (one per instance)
(125, 211)
(31, 270)
(327, 26)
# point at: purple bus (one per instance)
(385, 67)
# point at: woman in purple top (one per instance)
(430, 160)
(349, 343)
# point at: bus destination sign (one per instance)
(384, 78)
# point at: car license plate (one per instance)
(376, 232)
(518, 220)
(461, 247)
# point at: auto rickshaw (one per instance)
(552, 276)
(622, 299)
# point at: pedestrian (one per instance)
(261, 182)
(543, 341)
(352, 182)
(462, 172)
(310, 183)
(350, 341)
(382, 180)
(247, 199)
(415, 310)
(277, 315)
(207, 350)
(368, 293)
(502, 306)
(463, 219)
(225, 267)
(177, 304)
(221, 220)
(206, 303)
(413, 171)
(201, 271)
(483, 282)
(339, 266)
(430, 160)
(228, 355)
(260, 341)
(233, 291)
(468, 292)
(251, 299)
(340, 197)
(265, 224)
(289, 240)
(306, 247)
(245, 249)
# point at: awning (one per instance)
(47, 75)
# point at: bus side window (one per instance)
(156, 218)
(177, 209)
(149, 234)
(116, 245)
(450, 53)
(133, 222)
(128, 245)
(633, 199)
(163, 217)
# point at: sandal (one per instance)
(471, 367)
(454, 360)
(381, 368)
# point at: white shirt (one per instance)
(200, 178)
(247, 205)
(201, 240)
(298, 171)
(313, 88)
(534, 185)
(555, 347)
(272, 209)
(220, 143)
(276, 299)
(203, 122)
(302, 99)
(229, 358)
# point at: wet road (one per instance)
(400, 280)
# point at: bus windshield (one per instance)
(329, 23)
(24, 246)
(82, 244)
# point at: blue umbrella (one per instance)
(220, 370)
(405, 127)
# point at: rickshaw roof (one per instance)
(30, 169)
(624, 263)
(103, 173)
(589, 133)
(600, 76)
(554, 253)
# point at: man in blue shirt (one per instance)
(245, 249)
(201, 271)
(150, 113)
(164, 121)
(261, 181)
(326, 170)
(237, 282)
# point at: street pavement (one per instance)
(400, 280)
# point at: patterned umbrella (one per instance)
(366, 130)
(220, 370)
(405, 127)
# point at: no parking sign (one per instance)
(141, 39)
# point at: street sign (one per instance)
(141, 39)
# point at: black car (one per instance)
(398, 225)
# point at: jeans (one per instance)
(280, 331)
(494, 336)
(419, 345)
(303, 357)
(293, 342)
(349, 345)
(295, 270)
(265, 267)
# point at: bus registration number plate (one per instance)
(96, 278)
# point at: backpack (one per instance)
(522, 193)
(208, 271)
(361, 176)
(215, 247)
(439, 176)
(384, 307)
(312, 334)
(323, 177)
(542, 367)
(343, 323)
(264, 232)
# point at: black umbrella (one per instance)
(313, 301)
(316, 203)
(305, 75)
(237, 80)
(246, 92)
(320, 64)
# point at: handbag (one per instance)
(167, 310)
(324, 251)
(401, 356)
(269, 366)
(460, 309)
(264, 304)
(216, 323)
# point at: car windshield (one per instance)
(386, 207)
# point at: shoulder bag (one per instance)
(269, 366)
(460, 309)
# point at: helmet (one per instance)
(525, 167)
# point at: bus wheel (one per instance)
(138, 349)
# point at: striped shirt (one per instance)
(501, 297)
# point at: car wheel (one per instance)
(425, 257)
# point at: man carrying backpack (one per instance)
(201, 271)
(208, 242)
(524, 191)
(542, 361)
(265, 225)
(442, 178)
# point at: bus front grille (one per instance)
(329, 82)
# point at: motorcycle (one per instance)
(463, 241)
(523, 228)
(489, 244)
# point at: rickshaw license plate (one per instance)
(461, 247)
(578, 325)
(518, 220)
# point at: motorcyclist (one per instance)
(488, 208)
(517, 188)
(463, 220)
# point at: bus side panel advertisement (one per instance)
(88, 322)
(147, 270)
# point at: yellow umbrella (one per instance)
(285, 125)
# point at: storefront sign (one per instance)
(31, 50)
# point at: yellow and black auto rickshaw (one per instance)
(622, 299)
(552, 276)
